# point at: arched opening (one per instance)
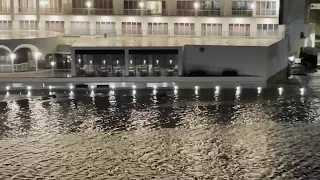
(5, 61)
(27, 58)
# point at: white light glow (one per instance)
(144, 61)
(112, 86)
(141, 4)
(88, 4)
(175, 92)
(92, 87)
(302, 91)
(157, 61)
(104, 62)
(13, 57)
(131, 62)
(134, 92)
(154, 92)
(217, 87)
(238, 88)
(29, 88)
(291, 58)
(259, 90)
(253, 6)
(43, 2)
(196, 5)
(176, 87)
(29, 94)
(170, 61)
(154, 87)
(196, 87)
(79, 60)
(134, 87)
(52, 63)
(37, 54)
(280, 90)
(7, 88)
(117, 62)
(71, 87)
(196, 92)
(50, 87)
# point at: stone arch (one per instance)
(6, 48)
(30, 46)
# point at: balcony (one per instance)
(5, 10)
(26, 10)
(247, 13)
(27, 34)
(76, 11)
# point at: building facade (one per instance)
(123, 38)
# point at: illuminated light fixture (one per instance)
(238, 88)
(196, 92)
(141, 4)
(92, 86)
(259, 90)
(37, 54)
(154, 87)
(29, 88)
(117, 62)
(131, 62)
(175, 92)
(13, 56)
(50, 87)
(217, 88)
(134, 92)
(170, 62)
(134, 87)
(154, 92)
(302, 91)
(52, 63)
(29, 94)
(7, 88)
(88, 3)
(196, 5)
(291, 58)
(196, 87)
(79, 60)
(112, 86)
(175, 87)
(90, 61)
(144, 61)
(253, 6)
(157, 61)
(71, 87)
(104, 62)
(217, 91)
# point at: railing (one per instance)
(184, 12)
(27, 10)
(21, 67)
(5, 68)
(77, 11)
(25, 34)
(177, 33)
(266, 12)
(4, 10)
(242, 12)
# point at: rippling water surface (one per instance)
(171, 135)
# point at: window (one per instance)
(27, 6)
(4, 6)
(239, 29)
(155, 7)
(266, 8)
(186, 8)
(158, 28)
(80, 27)
(56, 26)
(131, 28)
(29, 25)
(211, 29)
(5, 25)
(98, 7)
(268, 30)
(106, 27)
(241, 8)
(184, 29)
(52, 7)
(131, 7)
(209, 8)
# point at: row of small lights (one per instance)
(217, 88)
(196, 5)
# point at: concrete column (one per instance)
(180, 61)
(67, 27)
(118, 7)
(144, 27)
(92, 26)
(118, 28)
(226, 8)
(126, 62)
(73, 63)
(38, 10)
(42, 28)
(15, 6)
(12, 10)
(171, 6)
(197, 27)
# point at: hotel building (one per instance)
(150, 38)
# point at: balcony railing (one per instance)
(266, 12)
(4, 10)
(77, 11)
(242, 13)
(183, 12)
(27, 34)
(26, 10)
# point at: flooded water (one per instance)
(182, 134)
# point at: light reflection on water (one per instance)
(243, 134)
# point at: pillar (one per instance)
(126, 62)
(180, 61)
(12, 10)
(92, 25)
(38, 10)
(73, 63)
(226, 8)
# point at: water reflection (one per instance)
(243, 134)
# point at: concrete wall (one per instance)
(249, 61)
(277, 58)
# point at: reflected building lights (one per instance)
(259, 89)
(111, 93)
(92, 94)
(29, 94)
(280, 90)
(154, 92)
(7, 88)
(71, 95)
(134, 87)
(92, 87)
(134, 92)
(196, 87)
(175, 87)
(175, 92)
(302, 91)
(7, 94)
(71, 87)
(29, 88)
(196, 92)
